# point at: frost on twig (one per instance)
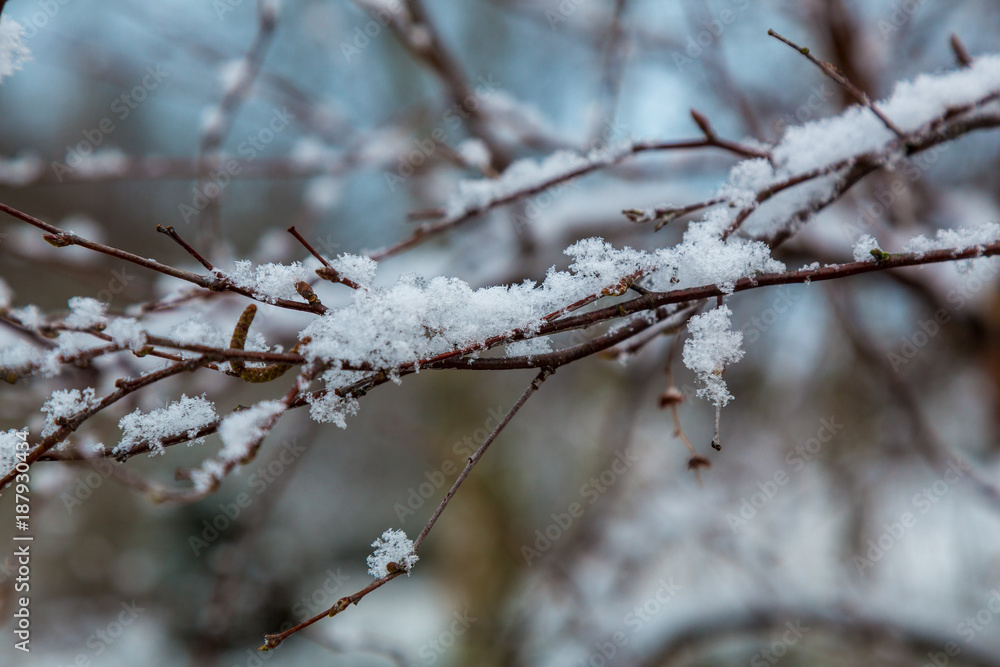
(712, 347)
(393, 553)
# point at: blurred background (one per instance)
(848, 518)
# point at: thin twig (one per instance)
(172, 233)
(272, 641)
(839, 77)
(312, 251)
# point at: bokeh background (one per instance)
(792, 550)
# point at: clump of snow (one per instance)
(863, 248)
(186, 416)
(10, 443)
(703, 258)
(85, 312)
(813, 146)
(127, 333)
(745, 180)
(241, 430)
(329, 408)
(13, 52)
(417, 319)
(528, 347)
(20, 357)
(963, 237)
(268, 282)
(64, 403)
(29, 316)
(359, 269)
(393, 548)
(199, 331)
(475, 153)
(711, 347)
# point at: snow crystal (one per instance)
(711, 347)
(269, 282)
(127, 333)
(863, 248)
(393, 547)
(186, 416)
(963, 237)
(64, 403)
(12, 51)
(328, 407)
(241, 430)
(11, 442)
(359, 269)
(85, 312)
